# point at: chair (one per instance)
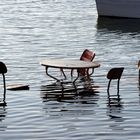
(114, 73)
(3, 70)
(87, 55)
(139, 68)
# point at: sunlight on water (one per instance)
(31, 31)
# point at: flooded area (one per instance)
(34, 30)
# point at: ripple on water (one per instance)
(35, 30)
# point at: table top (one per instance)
(69, 64)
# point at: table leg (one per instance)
(51, 75)
(78, 74)
(91, 71)
(63, 73)
(87, 74)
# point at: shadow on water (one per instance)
(67, 92)
(123, 25)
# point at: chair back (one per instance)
(115, 73)
(87, 55)
(139, 64)
(3, 68)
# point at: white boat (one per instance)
(118, 8)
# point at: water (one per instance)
(33, 30)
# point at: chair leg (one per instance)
(72, 73)
(4, 86)
(118, 86)
(108, 86)
(139, 76)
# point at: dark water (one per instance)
(33, 30)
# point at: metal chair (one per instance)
(114, 73)
(139, 68)
(87, 55)
(3, 70)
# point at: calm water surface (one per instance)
(33, 30)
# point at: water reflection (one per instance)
(119, 24)
(139, 86)
(114, 111)
(56, 103)
(3, 113)
(114, 108)
(69, 92)
(56, 92)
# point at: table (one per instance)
(67, 64)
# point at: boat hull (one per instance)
(118, 8)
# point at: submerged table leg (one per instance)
(76, 77)
(87, 74)
(91, 71)
(63, 73)
(51, 75)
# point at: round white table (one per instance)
(67, 64)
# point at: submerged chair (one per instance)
(87, 55)
(3, 70)
(114, 73)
